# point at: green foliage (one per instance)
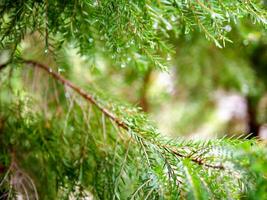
(131, 33)
(76, 151)
(57, 145)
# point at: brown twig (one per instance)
(195, 160)
(80, 91)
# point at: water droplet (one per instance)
(95, 4)
(173, 18)
(169, 26)
(155, 25)
(118, 49)
(227, 28)
(215, 15)
(60, 70)
(169, 57)
(46, 51)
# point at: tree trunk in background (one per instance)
(143, 96)
(258, 60)
(253, 125)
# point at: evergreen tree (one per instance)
(64, 141)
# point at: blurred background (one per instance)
(206, 92)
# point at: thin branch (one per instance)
(134, 194)
(196, 160)
(80, 91)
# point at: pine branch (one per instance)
(199, 161)
(127, 32)
(166, 160)
(112, 116)
(136, 33)
(109, 114)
